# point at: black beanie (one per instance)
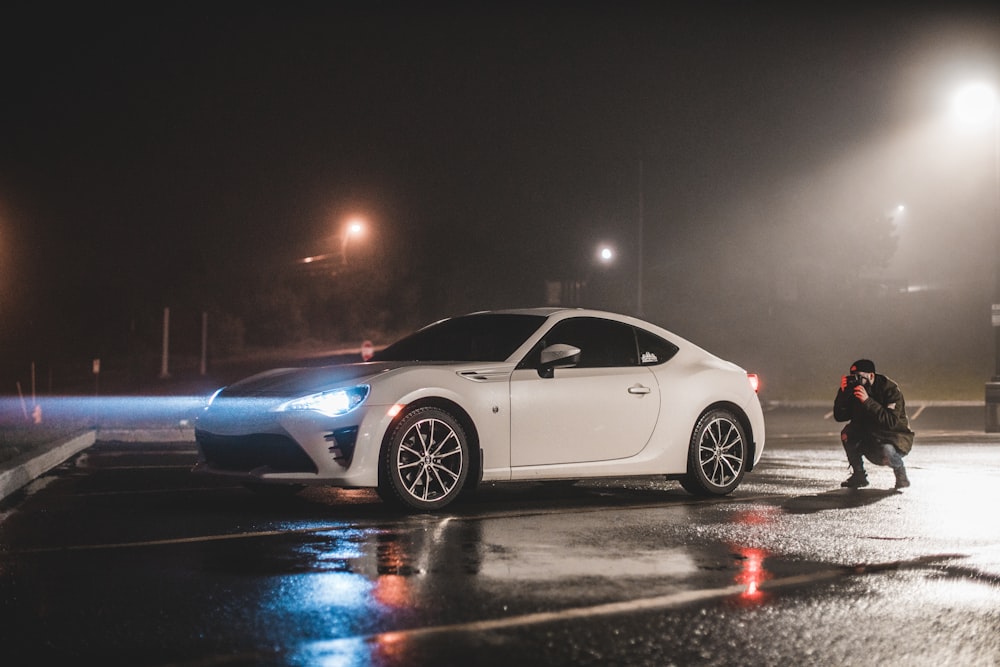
(863, 366)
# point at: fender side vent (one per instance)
(342, 444)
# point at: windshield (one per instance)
(480, 337)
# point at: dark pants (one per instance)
(879, 453)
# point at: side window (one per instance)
(653, 350)
(603, 343)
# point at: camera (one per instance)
(854, 380)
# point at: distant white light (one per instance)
(975, 103)
(606, 254)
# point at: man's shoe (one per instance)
(902, 481)
(856, 481)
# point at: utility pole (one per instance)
(638, 277)
(203, 368)
(165, 362)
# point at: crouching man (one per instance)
(878, 428)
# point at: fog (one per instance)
(746, 164)
(888, 251)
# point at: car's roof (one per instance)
(564, 312)
(549, 311)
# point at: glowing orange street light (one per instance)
(355, 227)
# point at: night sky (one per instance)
(177, 153)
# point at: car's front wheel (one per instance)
(426, 460)
(717, 456)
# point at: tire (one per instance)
(717, 456)
(425, 462)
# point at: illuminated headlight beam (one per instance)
(332, 403)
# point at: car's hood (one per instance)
(298, 381)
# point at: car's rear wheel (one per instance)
(426, 461)
(717, 456)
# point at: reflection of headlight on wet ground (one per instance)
(333, 653)
(383, 648)
(343, 591)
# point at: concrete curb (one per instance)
(24, 468)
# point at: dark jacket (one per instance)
(881, 418)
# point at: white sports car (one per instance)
(536, 394)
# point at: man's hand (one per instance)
(861, 393)
(843, 383)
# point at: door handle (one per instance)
(639, 389)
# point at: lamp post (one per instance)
(993, 387)
(977, 103)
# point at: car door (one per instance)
(603, 408)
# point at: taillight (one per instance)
(754, 381)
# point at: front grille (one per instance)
(243, 453)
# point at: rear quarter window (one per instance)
(654, 350)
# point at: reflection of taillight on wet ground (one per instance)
(393, 591)
(392, 587)
(388, 647)
(757, 517)
(752, 573)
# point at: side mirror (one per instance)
(556, 356)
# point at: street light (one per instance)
(354, 227)
(977, 104)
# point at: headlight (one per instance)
(211, 399)
(331, 403)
